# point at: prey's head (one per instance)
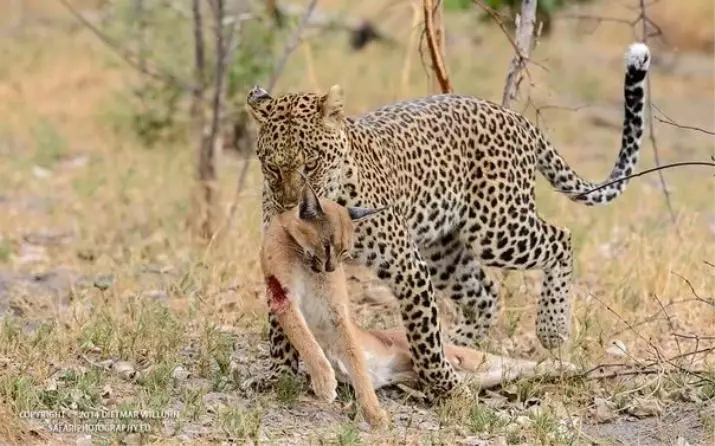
(323, 229)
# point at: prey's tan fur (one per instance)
(301, 257)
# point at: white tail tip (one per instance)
(638, 56)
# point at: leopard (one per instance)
(302, 255)
(457, 174)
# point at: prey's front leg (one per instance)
(322, 375)
(354, 359)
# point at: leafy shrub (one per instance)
(157, 111)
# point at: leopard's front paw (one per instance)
(269, 380)
(444, 384)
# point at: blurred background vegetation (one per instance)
(100, 137)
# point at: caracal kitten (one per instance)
(301, 257)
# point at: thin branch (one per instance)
(495, 16)
(524, 34)
(654, 317)
(645, 172)
(651, 127)
(596, 18)
(240, 184)
(695, 337)
(669, 121)
(291, 45)
(207, 157)
(435, 44)
(669, 320)
(129, 58)
(706, 300)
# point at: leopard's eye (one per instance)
(311, 164)
(272, 170)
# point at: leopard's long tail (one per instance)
(564, 179)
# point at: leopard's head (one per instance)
(300, 135)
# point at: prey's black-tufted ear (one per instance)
(358, 213)
(309, 207)
(259, 104)
(331, 106)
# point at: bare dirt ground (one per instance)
(114, 318)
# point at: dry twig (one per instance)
(651, 128)
(434, 32)
(130, 59)
(290, 46)
(524, 33)
(647, 171)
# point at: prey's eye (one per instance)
(310, 165)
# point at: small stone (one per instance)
(644, 407)
(475, 441)
(103, 282)
(30, 254)
(180, 373)
(603, 411)
(41, 172)
(51, 385)
(125, 370)
(132, 439)
(84, 440)
(156, 294)
(522, 420)
(107, 391)
(680, 441)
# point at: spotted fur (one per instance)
(458, 174)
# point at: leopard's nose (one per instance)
(329, 266)
(290, 198)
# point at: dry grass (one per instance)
(88, 212)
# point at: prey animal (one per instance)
(302, 256)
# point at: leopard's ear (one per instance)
(309, 207)
(331, 106)
(259, 104)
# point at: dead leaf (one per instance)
(617, 348)
(180, 373)
(51, 385)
